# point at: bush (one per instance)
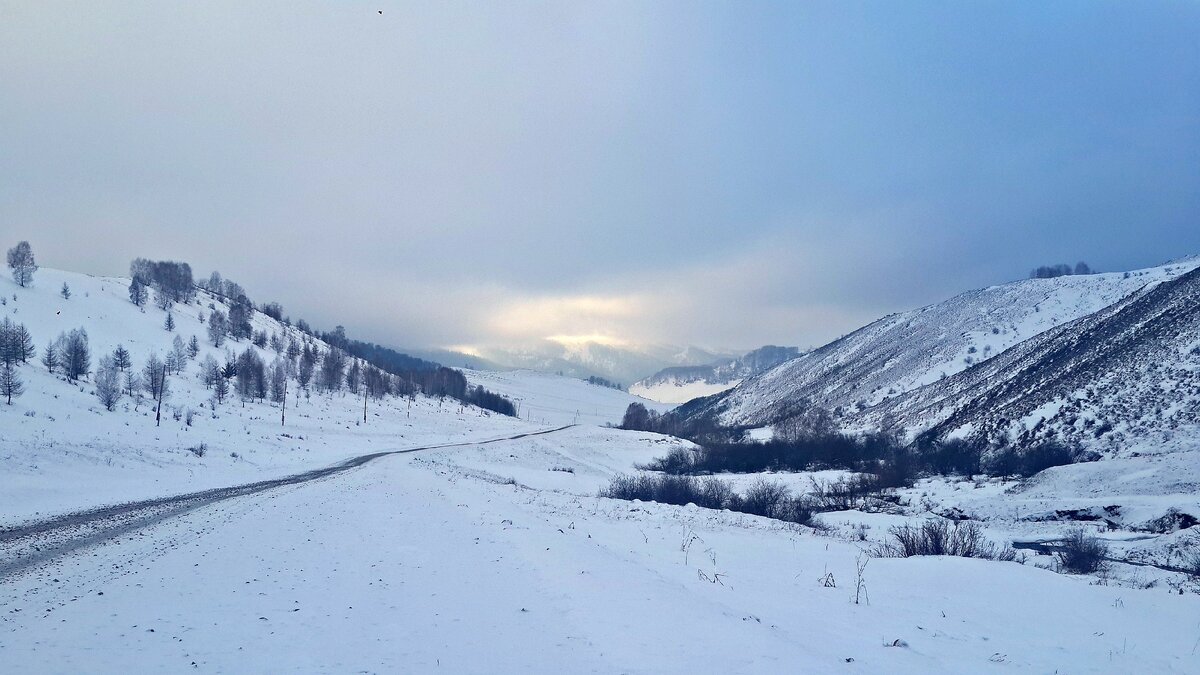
(1081, 553)
(678, 460)
(942, 537)
(764, 498)
(198, 450)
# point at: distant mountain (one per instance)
(455, 359)
(679, 384)
(618, 363)
(904, 352)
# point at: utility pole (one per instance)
(283, 406)
(162, 381)
(364, 404)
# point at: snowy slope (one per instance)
(60, 449)
(668, 389)
(1127, 374)
(902, 352)
(554, 399)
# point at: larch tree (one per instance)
(10, 382)
(22, 264)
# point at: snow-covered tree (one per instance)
(239, 318)
(163, 300)
(108, 384)
(137, 293)
(169, 323)
(75, 354)
(20, 261)
(180, 351)
(220, 387)
(279, 377)
(217, 328)
(65, 292)
(332, 367)
(193, 347)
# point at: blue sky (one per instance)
(724, 174)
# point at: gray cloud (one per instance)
(723, 174)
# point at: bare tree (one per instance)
(121, 358)
(22, 344)
(20, 260)
(154, 379)
(50, 357)
(10, 382)
(9, 353)
(76, 356)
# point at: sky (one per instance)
(719, 174)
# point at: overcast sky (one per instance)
(720, 174)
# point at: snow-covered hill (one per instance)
(679, 384)
(58, 437)
(903, 352)
(554, 399)
(1127, 374)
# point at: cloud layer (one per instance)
(722, 174)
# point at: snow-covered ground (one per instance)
(676, 392)
(438, 560)
(554, 399)
(499, 557)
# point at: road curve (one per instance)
(33, 543)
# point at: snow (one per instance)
(903, 352)
(554, 399)
(418, 563)
(677, 392)
(500, 557)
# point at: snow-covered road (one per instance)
(31, 544)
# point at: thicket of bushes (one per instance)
(879, 455)
(770, 499)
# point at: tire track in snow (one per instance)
(32, 544)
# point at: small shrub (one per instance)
(1081, 553)
(198, 450)
(764, 498)
(942, 537)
